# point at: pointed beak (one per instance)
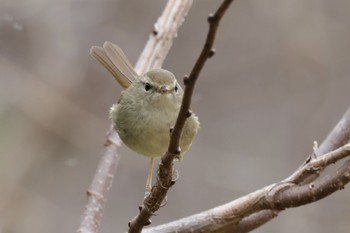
(164, 89)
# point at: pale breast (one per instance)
(145, 133)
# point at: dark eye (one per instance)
(147, 86)
(176, 88)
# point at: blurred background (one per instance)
(279, 81)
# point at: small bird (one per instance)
(148, 107)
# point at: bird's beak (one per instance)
(164, 89)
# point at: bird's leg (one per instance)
(149, 177)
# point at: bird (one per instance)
(147, 108)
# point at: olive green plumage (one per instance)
(147, 110)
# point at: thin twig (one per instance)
(190, 81)
(165, 180)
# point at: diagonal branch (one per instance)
(250, 211)
(165, 176)
(311, 192)
(339, 136)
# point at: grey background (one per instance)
(278, 81)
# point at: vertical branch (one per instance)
(153, 55)
(190, 81)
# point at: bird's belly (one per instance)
(147, 136)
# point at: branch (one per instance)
(100, 185)
(308, 193)
(165, 175)
(163, 34)
(190, 82)
(152, 56)
(339, 136)
(253, 210)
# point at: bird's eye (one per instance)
(147, 86)
(176, 88)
